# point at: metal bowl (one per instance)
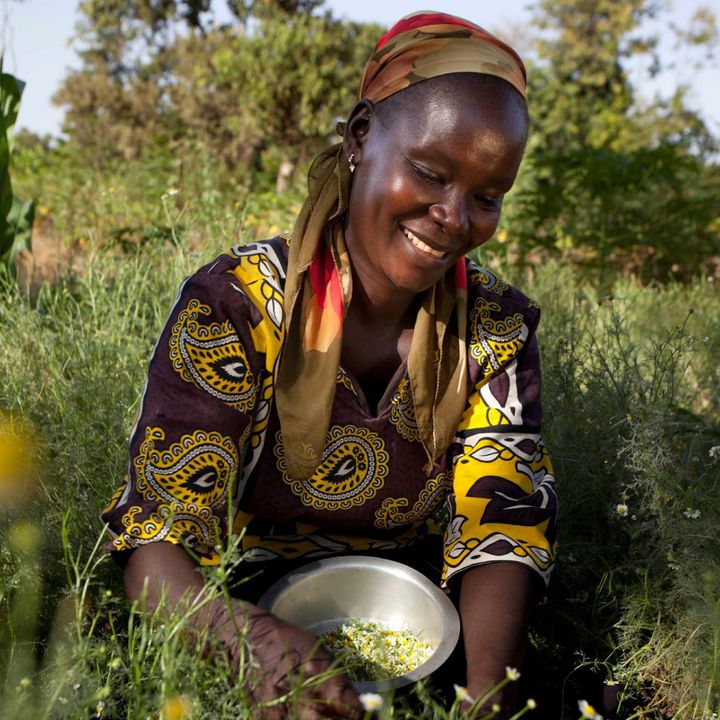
(326, 593)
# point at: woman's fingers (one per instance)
(290, 662)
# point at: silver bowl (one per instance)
(326, 593)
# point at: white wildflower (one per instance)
(588, 711)
(371, 701)
(531, 704)
(691, 514)
(512, 673)
(462, 694)
(621, 509)
(714, 452)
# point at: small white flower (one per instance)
(371, 701)
(621, 509)
(172, 191)
(714, 452)
(691, 514)
(531, 704)
(588, 711)
(462, 694)
(610, 682)
(512, 673)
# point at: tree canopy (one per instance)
(263, 91)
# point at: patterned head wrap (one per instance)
(319, 280)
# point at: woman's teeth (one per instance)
(420, 245)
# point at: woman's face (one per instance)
(430, 180)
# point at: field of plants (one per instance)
(613, 229)
(632, 417)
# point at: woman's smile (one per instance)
(423, 247)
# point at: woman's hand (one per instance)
(285, 657)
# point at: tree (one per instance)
(156, 72)
(295, 74)
(116, 102)
(599, 167)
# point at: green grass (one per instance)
(631, 416)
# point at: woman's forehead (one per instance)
(466, 104)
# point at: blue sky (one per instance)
(35, 35)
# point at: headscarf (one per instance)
(318, 287)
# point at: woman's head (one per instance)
(437, 140)
(433, 165)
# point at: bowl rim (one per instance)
(448, 611)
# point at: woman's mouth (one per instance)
(422, 246)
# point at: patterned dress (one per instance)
(206, 453)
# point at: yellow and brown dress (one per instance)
(206, 453)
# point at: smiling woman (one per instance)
(362, 387)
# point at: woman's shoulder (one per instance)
(246, 283)
(501, 321)
(264, 259)
(490, 297)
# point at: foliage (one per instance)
(599, 166)
(630, 398)
(16, 216)
(143, 82)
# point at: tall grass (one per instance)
(632, 415)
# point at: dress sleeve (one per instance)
(194, 421)
(503, 505)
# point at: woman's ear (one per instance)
(356, 129)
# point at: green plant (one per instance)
(16, 216)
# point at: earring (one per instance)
(351, 162)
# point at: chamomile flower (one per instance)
(691, 514)
(512, 673)
(371, 701)
(621, 509)
(462, 694)
(588, 711)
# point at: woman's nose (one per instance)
(451, 214)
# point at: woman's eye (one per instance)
(427, 175)
(489, 203)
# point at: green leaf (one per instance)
(11, 90)
(18, 235)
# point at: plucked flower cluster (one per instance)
(369, 651)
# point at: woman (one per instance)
(336, 396)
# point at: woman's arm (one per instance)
(282, 652)
(495, 600)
